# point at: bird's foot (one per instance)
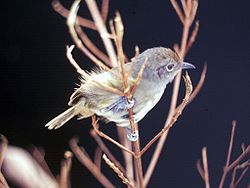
(132, 136)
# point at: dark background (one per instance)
(36, 82)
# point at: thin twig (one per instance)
(91, 46)
(225, 170)
(117, 31)
(200, 169)
(103, 135)
(102, 31)
(116, 170)
(177, 10)
(205, 165)
(64, 180)
(241, 176)
(193, 36)
(105, 149)
(175, 116)
(84, 158)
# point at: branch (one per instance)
(117, 171)
(84, 158)
(105, 149)
(225, 170)
(175, 116)
(205, 165)
(101, 134)
(186, 21)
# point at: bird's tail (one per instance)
(61, 119)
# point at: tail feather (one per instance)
(61, 119)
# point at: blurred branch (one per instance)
(101, 134)
(66, 163)
(38, 154)
(84, 158)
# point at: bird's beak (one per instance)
(186, 65)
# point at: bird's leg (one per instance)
(132, 136)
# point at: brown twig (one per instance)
(103, 135)
(175, 116)
(225, 170)
(191, 7)
(205, 165)
(105, 149)
(117, 171)
(66, 163)
(91, 46)
(84, 158)
(242, 175)
(117, 31)
(200, 169)
(193, 36)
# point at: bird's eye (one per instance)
(170, 67)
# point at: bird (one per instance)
(161, 66)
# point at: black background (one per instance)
(36, 82)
